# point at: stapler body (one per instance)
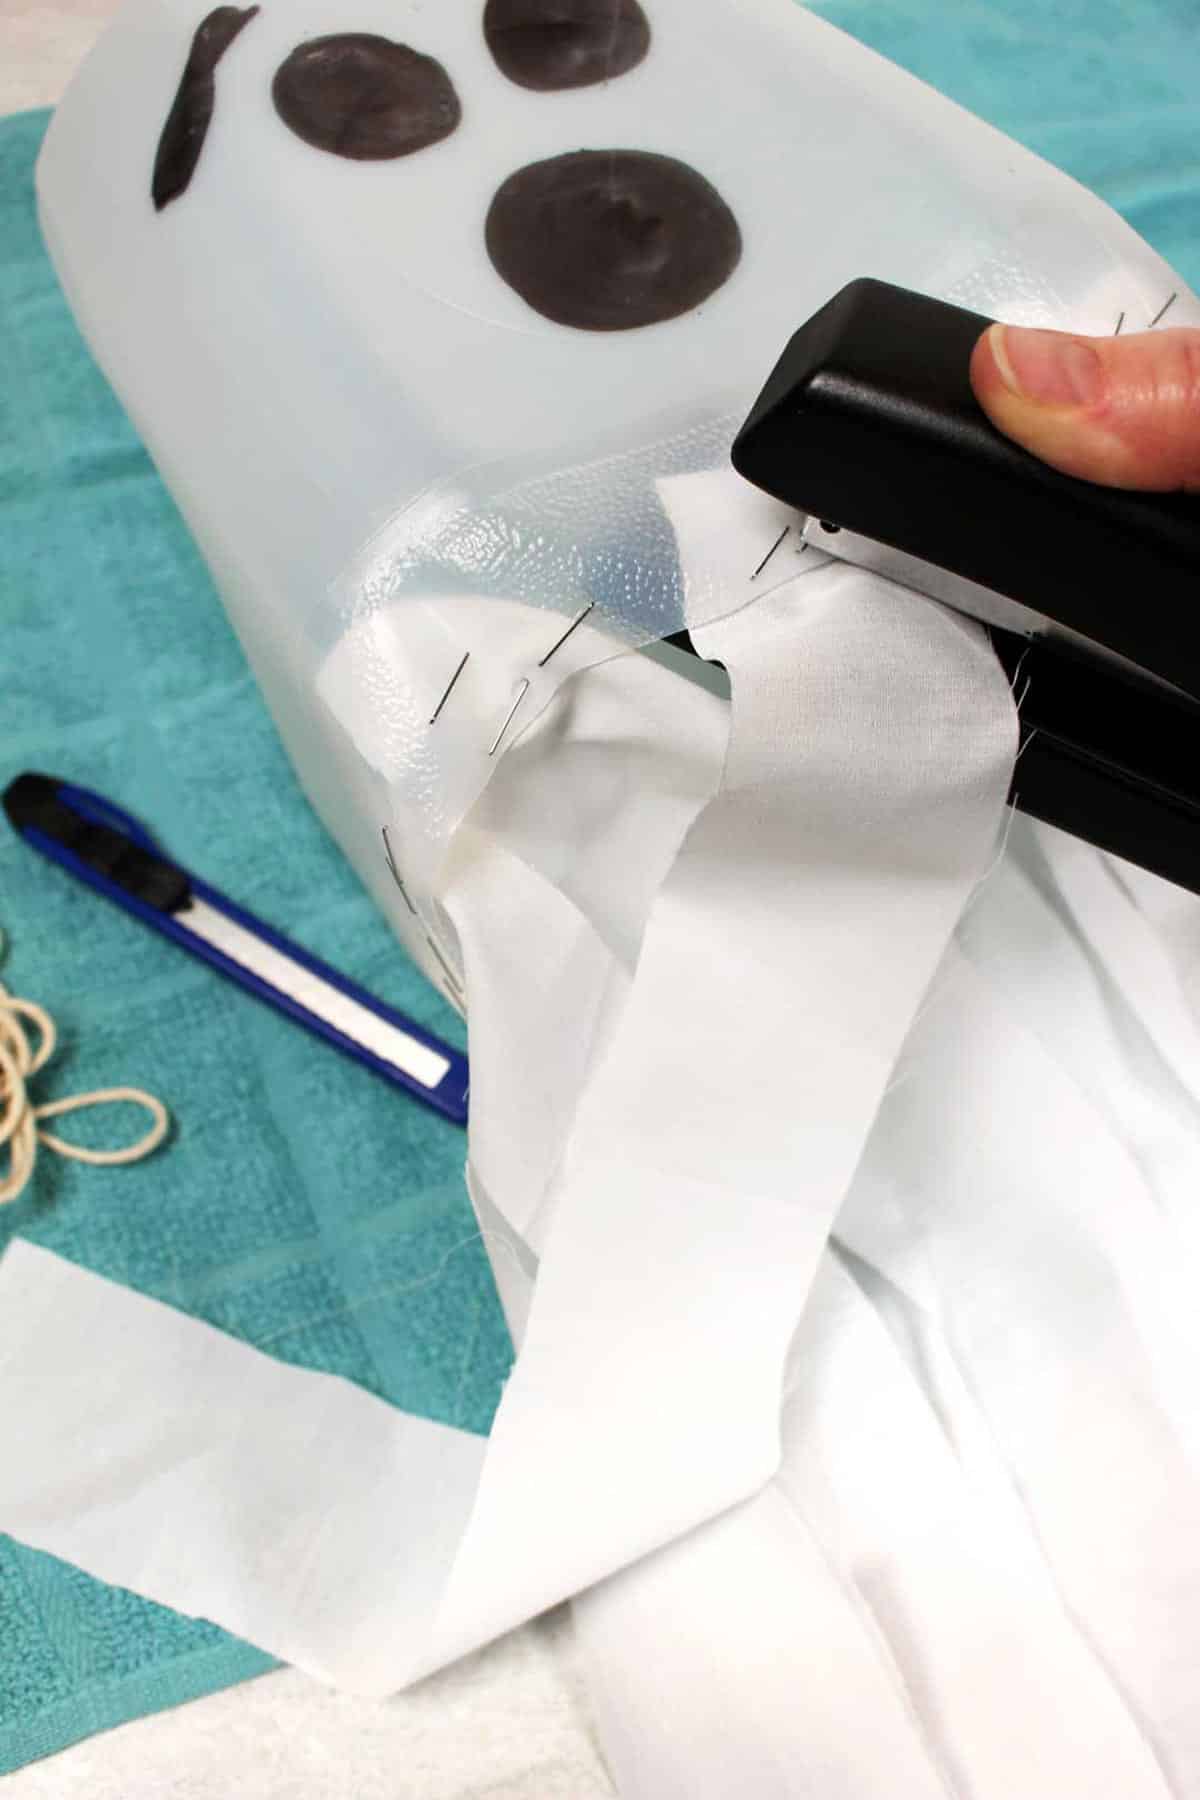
(869, 428)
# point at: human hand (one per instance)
(1122, 411)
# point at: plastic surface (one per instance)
(390, 461)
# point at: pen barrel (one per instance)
(111, 854)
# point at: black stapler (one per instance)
(868, 426)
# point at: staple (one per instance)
(521, 693)
(770, 553)
(1010, 819)
(1017, 673)
(451, 977)
(391, 863)
(436, 713)
(576, 622)
(1120, 322)
(1163, 309)
(898, 1081)
(1024, 745)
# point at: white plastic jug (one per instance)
(404, 476)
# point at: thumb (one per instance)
(1123, 411)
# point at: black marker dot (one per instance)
(191, 111)
(549, 45)
(606, 240)
(365, 97)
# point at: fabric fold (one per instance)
(723, 1114)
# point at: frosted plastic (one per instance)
(389, 460)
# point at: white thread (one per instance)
(19, 1128)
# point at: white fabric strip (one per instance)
(934, 1551)
(781, 966)
(870, 751)
(990, 1435)
(1133, 955)
(548, 891)
(165, 1457)
(1174, 916)
(1063, 1294)
(877, 1623)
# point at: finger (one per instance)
(1124, 411)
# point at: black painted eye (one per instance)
(365, 97)
(191, 111)
(607, 240)
(353, 93)
(550, 45)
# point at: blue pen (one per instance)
(106, 848)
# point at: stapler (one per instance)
(869, 428)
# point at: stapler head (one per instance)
(868, 427)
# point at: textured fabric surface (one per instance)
(302, 1205)
(506, 1724)
(1105, 89)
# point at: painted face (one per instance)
(597, 240)
(448, 313)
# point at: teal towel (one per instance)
(1105, 89)
(303, 1206)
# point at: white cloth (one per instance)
(987, 1498)
(718, 1127)
(508, 1724)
